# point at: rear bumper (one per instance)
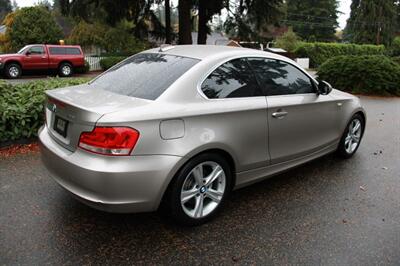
(114, 184)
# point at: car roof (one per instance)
(207, 51)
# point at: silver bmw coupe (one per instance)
(180, 127)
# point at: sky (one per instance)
(344, 7)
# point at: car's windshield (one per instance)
(145, 75)
(23, 50)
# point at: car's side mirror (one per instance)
(28, 53)
(324, 88)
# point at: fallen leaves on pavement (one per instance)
(19, 149)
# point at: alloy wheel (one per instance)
(353, 137)
(66, 70)
(203, 189)
(13, 71)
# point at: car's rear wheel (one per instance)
(351, 138)
(65, 70)
(199, 190)
(13, 71)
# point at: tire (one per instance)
(347, 146)
(186, 210)
(65, 70)
(13, 71)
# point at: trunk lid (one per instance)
(73, 110)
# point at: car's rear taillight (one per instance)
(118, 141)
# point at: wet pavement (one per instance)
(329, 211)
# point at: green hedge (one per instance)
(320, 52)
(108, 62)
(369, 74)
(396, 59)
(21, 107)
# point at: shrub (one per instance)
(396, 59)
(108, 62)
(320, 52)
(369, 74)
(120, 41)
(288, 41)
(395, 48)
(21, 107)
(87, 35)
(117, 40)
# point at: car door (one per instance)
(36, 58)
(300, 120)
(241, 125)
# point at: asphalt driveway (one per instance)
(330, 212)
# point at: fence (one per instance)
(94, 62)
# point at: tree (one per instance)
(247, 18)
(112, 12)
(168, 36)
(313, 19)
(207, 9)
(87, 35)
(185, 24)
(5, 8)
(32, 25)
(372, 21)
(288, 41)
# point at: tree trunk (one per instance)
(185, 28)
(378, 33)
(168, 38)
(202, 34)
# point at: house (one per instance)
(215, 38)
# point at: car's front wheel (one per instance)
(199, 190)
(13, 71)
(351, 138)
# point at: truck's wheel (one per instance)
(13, 71)
(65, 70)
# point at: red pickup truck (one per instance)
(63, 58)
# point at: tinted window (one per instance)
(73, 51)
(280, 78)
(57, 50)
(231, 80)
(36, 50)
(144, 76)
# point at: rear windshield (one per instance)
(145, 75)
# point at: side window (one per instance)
(57, 50)
(36, 50)
(280, 78)
(233, 79)
(73, 51)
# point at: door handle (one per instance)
(280, 114)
